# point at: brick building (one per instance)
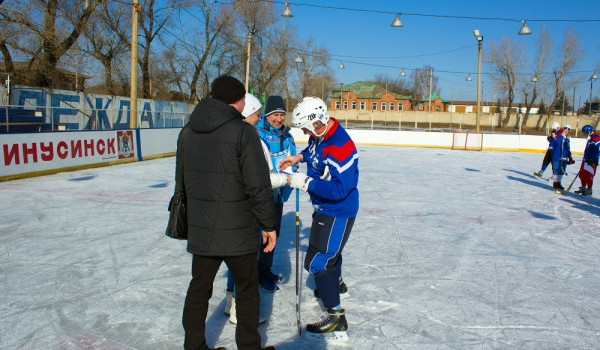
(367, 96)
(437, 104)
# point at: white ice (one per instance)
(450, 250)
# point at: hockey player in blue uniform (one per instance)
(561, 157)
(554, 133)
(331, 181)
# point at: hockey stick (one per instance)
(298, 261)
(571, 185)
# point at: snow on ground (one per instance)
(450, 250)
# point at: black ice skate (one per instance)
(333, 320)
(538, 174)
(581, 190)
(343, 291)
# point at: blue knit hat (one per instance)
(274, 105)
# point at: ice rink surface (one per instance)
(450, 250)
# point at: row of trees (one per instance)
(183, 46)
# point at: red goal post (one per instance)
(466, 140)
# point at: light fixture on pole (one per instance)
(287, 12)
(397, 23)
(402, 74)
(524, 29)
(535, 78)
(341, 66)
(592, 78)
(469, 77)
(479, 38)
(298, 61)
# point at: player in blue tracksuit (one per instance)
(561, 157)
(280, 143)
(331, 180)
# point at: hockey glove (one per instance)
(591, 162)
(300, 181)
(571, 161)
(278, 180)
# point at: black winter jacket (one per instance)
(226, 181)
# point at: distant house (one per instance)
(437, 103)
(65, 80)
(368, 96)
(488, 107)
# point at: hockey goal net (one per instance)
(471, 141)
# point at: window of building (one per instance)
(374, 106)
(346, 105)
(337, 104)
(400, 106)
(362, 105)
(437, 108)
(383, 106)
(392, 105)
(353, 104)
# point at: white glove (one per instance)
(300, 181)
(278, 180)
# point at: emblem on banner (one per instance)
(125, 144)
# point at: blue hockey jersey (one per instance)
(332, 163)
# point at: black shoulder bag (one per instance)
(177, 227)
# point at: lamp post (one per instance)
(430, 87)
(592, 78)
(134, 57)
(479, 38)
(298, 61)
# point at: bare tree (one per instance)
(529, 89)
(420, 79)
(570, 54)
(506, 60)
(314, 74)
(52, 26)
(103, 44)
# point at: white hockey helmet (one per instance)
(308, 111)
(553, 126)
(567, 126)
(252, 105)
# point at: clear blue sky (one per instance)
(368, 46)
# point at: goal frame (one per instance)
(467, 141)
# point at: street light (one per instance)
(592, 78)
(479, 39)
(402, 74)
(298, 61)
(341, 66)
(287, 12)
(469, 77)
(397, 23)
(524, 29)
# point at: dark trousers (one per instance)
(265, 260)
(323, 259)
(200, 290)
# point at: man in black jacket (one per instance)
(228, 189)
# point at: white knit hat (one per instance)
(252, 105)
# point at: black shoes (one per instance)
(333, 320)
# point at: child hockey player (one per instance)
(561, 157)
(589, 161)
(554, 133)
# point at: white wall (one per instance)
(32, 154)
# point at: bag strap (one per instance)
(179, 184)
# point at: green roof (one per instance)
(434, 97)
(367, 89)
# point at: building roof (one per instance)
(434, 96)
(367, 90)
